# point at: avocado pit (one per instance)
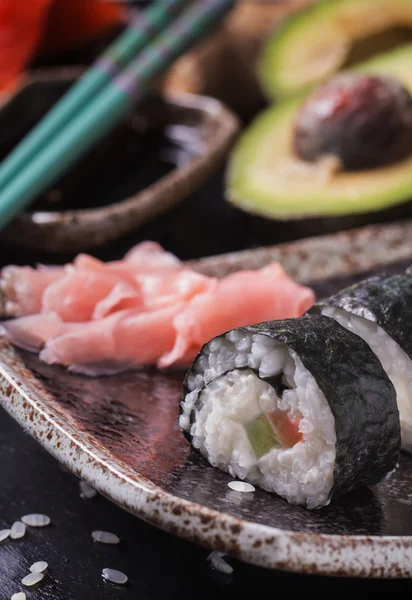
(363, 120)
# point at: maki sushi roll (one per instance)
(379, 310)
(300, 407)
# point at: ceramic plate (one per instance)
(120, 434)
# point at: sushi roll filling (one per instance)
(272, 428)
(253, 410)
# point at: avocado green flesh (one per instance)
(261, 436)
(369, 47)
(265, 177)
(397, 63)
(314, 43)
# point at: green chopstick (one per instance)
(103, 113)
(141, 30)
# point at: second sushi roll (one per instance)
(301, 407)
(379, 310)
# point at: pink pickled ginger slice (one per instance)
(239, 299)
(123, 296)
(151, 255)
(165, 289)
(122, 340)
(33, 331)
(23, 287)
(75, 296)
(147, 257)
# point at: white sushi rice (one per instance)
(4, 534)
(36, 520)
(18, 530)
(226, 401)
(105, 537)
(39, 567)
(396, 363)
(86, 491)
(218, 562)
(32, 579)
(241, 486)
(114, 576)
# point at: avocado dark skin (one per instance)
(363, 120)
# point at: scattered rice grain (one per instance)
(39, 567)
(18, 530)
(105, 537)
(241, 486)
(36, 520)
(4, 534)
(114, 576)
(19, 596)
(32, 579)
(86, 491)
(218, 562)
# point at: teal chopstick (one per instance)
(103, 113)
(140, 31)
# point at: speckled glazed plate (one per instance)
(120, 434)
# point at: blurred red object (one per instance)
(20, 33)
(73, 22)
(48, 26)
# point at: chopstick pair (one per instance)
(97, 102)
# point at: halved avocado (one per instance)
(265, 176)
(317, 41)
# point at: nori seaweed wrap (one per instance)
(301, 407)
